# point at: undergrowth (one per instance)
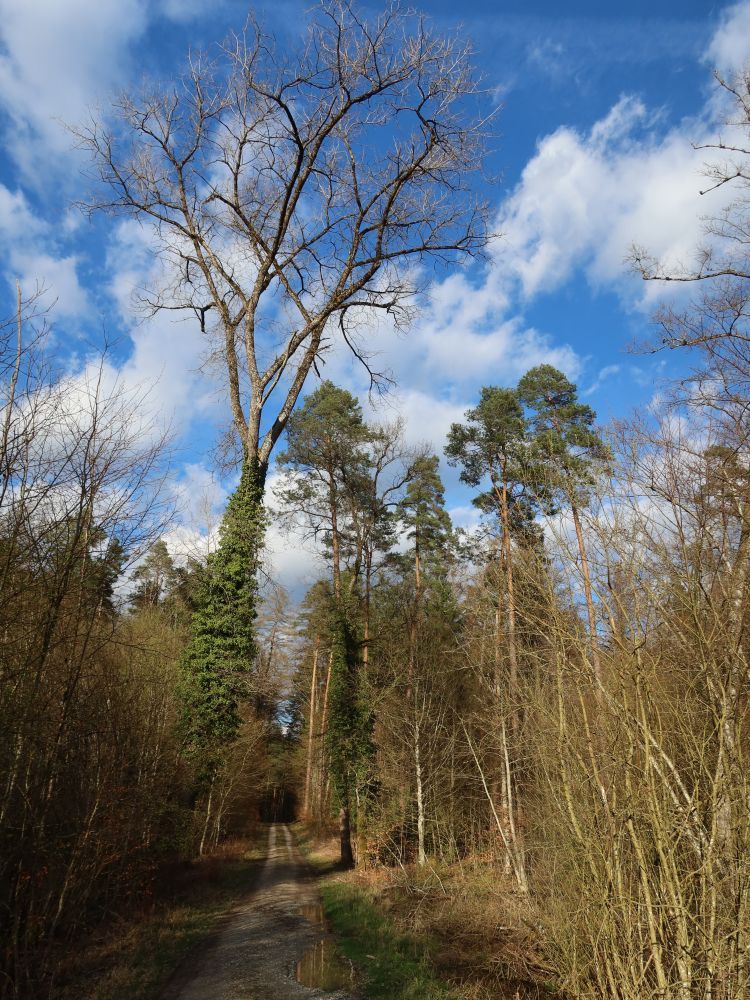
(136, 957)
(393, 966)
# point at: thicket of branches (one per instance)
(100, 782)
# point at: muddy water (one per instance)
(321, 967)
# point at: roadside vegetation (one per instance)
(139, 954)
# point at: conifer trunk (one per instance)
(311, 729)
(345, 837)
(512, 648)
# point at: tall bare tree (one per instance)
(294, 194)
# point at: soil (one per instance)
(272, 946)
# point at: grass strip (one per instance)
(394, 966)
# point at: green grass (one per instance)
(393, 966)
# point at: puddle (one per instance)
(320, 967)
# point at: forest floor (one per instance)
(262, 920)
(458, 932)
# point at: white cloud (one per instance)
(166, 353)
(57, 275)
(18, 221)
(729, 51)
(584, 198)
(27, 254)
(290, 559)
(466, 516)
(187, 10)
(462, 338)
(604, 373)
(167, 347)
(200, 501)
(427, 418)
(57, 59)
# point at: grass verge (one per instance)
(393, 966)
(457, 932)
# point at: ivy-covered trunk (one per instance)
(219, 662)
(349, 728)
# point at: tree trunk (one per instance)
(421, 856)
(324, 782)
(204, 835)
(366, 610)
(512, 648)
(335, 543)
(311, 730)
(345, 837)
(414, 618)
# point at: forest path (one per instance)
(268, 941)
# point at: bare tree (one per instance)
(715, 320)
(294, 195)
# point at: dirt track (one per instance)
(255, 955)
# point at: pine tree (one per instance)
(423, 514)
(154, 578)
(492, 445)
(328, 464)
(565, 454)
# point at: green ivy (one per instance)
(219, 661)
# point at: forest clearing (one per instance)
(347, 649)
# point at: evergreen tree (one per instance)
(423, 514)
(155, 578)
(565, 454)
(492, 445)
(349, 726)
(565, 444)
(328, 463)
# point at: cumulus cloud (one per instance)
(168, 347)
(291, 559)
(464, 335)
(58, 276)
(55, 60)
(58, 60)
(585, 197)
(729, 50)
(27, 242)
(17, 219)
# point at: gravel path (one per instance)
(255, 955)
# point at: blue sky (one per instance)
(600, 105)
